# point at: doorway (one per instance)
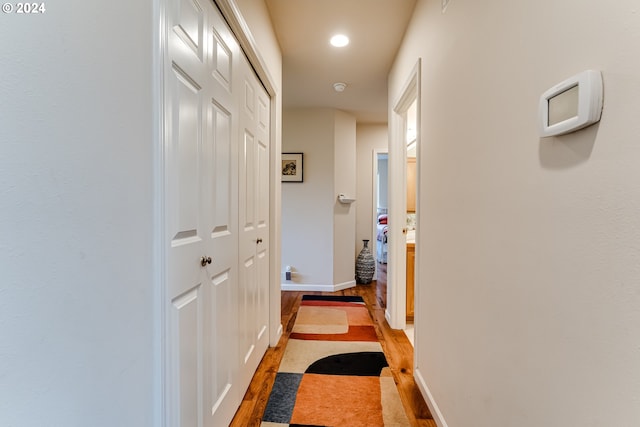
(404, 144)
(411, 221)
(380, 222)
(380, 205)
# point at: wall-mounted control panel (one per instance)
(572, 104)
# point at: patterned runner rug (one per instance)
(333, 372)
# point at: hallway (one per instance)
(528, 265)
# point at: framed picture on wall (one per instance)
(291, 167)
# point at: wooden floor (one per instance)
(395, 344)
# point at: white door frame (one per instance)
(396, 312)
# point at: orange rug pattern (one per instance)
(333, 372)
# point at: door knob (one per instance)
(205, 260)
(258, 241)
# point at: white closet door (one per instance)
(254, 222)
(201, 216)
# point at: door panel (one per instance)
(217, 217)
(262, 196)
(220, 210)
(254, 215)
(185, 291)
(249, 181)
(220, 371)
(262, 217)
(186, 328)
(188, 25)
(202, 216)
(221, 60)
(186, 154)
(222, 197)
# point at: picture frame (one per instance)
(292, 167)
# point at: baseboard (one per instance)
(344, 285)
(315, 287)
(428, 397)
(273, 341)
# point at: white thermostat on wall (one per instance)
(572, 104)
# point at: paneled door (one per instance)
(254, 222)
(201, 205)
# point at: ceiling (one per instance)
(311, 65)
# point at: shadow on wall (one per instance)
(567, 151)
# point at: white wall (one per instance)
(307, 207)
(527, 309)
(317, 232)
(256, 15)
(77, 291)
(344, 229)
(370, 137)
(383, 183)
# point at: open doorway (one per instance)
(404, 147)
(381, 205)
(380, 222)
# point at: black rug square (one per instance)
(282, 398)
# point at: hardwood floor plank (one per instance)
(396, 346)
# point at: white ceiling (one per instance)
(311, 65)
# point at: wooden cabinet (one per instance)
(411, 262)
(411, 184)
(411, 247)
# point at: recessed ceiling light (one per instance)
(339, 40)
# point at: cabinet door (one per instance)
(411, 262)
(411, 184)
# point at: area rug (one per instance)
(333, 372)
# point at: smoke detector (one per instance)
(339, 86)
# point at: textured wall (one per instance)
(529, 264)
(307, 207)
(344, 218)
(318, 233)
(77, 289)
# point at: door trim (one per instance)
(160, 33)
(396, 271)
